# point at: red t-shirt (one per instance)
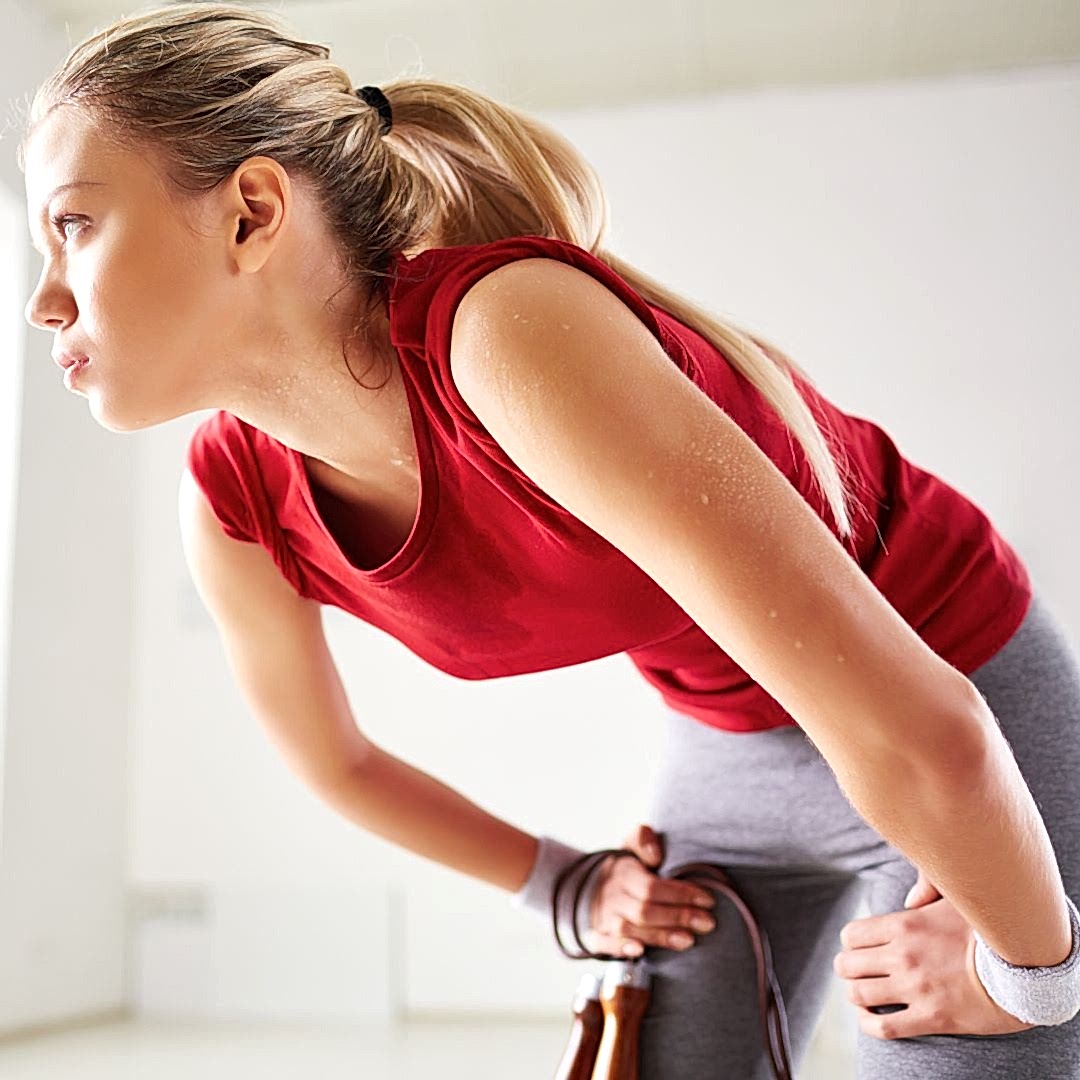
(496, 578)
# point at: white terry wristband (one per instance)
(1036, 995)
(537, 894)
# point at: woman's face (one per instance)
(128, 280)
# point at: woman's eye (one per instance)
(61, 221)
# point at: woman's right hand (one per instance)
(632, 907)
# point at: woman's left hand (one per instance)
(922, 957)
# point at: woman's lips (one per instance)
(73, 371)
(66, 360)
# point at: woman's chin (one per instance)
(111, 419)
(124, 422)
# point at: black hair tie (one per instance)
(376, 98)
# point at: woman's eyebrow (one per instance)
(64, 187)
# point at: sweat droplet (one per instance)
(772, 613)
(798, 644)
(705, 498)
(565, 325)
(840, 657)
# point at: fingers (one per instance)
(862, 963)
(666, 916)
(663, 931)
(665, 911)
(922, 892)
(643, 885)
(630, 938)
(863, 933)
(641, 909)
(868, 992)
(646, 842)
(641, 918)
(907, 1023)
(613, 944)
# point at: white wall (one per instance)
(12, 327)
(915, 246)
(67, 645)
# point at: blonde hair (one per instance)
(204, 86)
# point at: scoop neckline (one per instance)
(427, 499)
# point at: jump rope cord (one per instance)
(711, 875)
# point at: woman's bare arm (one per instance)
(414, 810)
(279, 656)
(581, 396)
(973, 827)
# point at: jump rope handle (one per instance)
(624, 995)
(579, 1057)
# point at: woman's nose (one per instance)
(43, 309)
(29, 315)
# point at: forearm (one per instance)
(973, 827)
(413, 810)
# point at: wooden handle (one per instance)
(617, 1058)
(579, 1058)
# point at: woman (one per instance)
(837, 634)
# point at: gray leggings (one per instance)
(766, 806)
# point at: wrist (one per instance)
(537, 893)
(1036, 995)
